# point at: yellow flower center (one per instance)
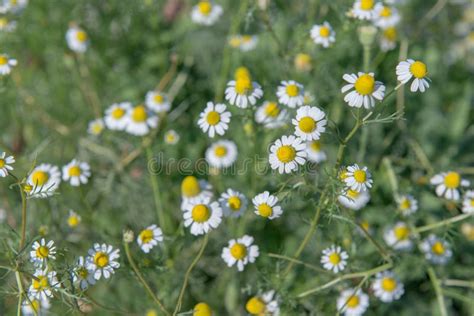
(452, 180)
(389, 284)
(139, 114)
(272, 109)
(243, 85)
(3, 60)
(73, 221)
(472, 202)
(256, 306)
(41, 282)
(235, 41)
(158, 98)
(81, 36)
(238, 251)
(292, 90)
(101, 259)
(242, 72)
(118, 113)
(390, 33)
(360, 176)
(200, 213)
(307, 124)
(190, 186)
(74, 171)
(83, 273)
(343, 175)
(324, 31)
(286, 153)
(3, 22)
(2, 163)
(234, 203)
(438, 248)
(405, 204)
(386, 12)
(202, 309)
(265, 210)
(97, 129)
(316, 145)
(365, 84)
(401, 232)
(353, 301)
(220, 151)
(42, 252)
(213, 118)
(352, 194)
(418, 69)
(39, 177)
(205, 7)
(334, 258)
(246, 38)
(146, 236)
(366, 4)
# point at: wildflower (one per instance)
(243, 91)
(96, 127)
(467, 230)
(192, 188)
(214, 119)
(42, 251)
(73, 219)
(437, 250)
(206, 13)
(308, 98)
(116, 116)
(77, 39)
(235, 41)
(303, 62)
(314, 152)
(263, 304)
(287, 153)
(102, 260)
(407, 204)
(352, 302)
(290, 93)
(240, 252)
(366, 90)
(364, 9)
(221, 154)
(43, 283)
(6, 25)
(140, 121)
(149, 238)
(309, 123)
(271, 115)
(171, 137)
(33, 306)
(5, 164)
(388, 39)
(202, 309)
(334, 259)
(354, 200)
(43, 180)
(233, 203)
(448, 183)
(6, 64)
(202, 215)
(157, 102)
(386, 16)
(408, 69)
(12, 6)
(387, 287)
(398, 237)
(76, 172)
(323, 34)
(357, 178)
(266, 205)
(468, 202)
(82, 275)
(248, 42)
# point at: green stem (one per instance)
(310, 266)
(439, 294)
(443, 223)
(23, 217)
(20, 292)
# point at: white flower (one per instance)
(116, 116)
(437, 250)
(309, 123)
(6, 25)
(271, 115)
(388, 39)
(233, 203)
(385, 16)
(323, 34)
(398, 237)
(102, 260)
(354, 200)
(149, 238)
(468, 202)
(314, 152)
(387, 287)
(192, 188)
(171, 137)
(44, 180)
(82, 275)
(202, 215)
(206, 12)
(366, 90)
(364, 9)
(140, 121)
(96, 127)
(42, 252)
(77, 39)
(221, 154)
(157, 101)
(408, 69)
(248, 42)
(73, 219)
(243, 91)
(448, 184)
(357, 178)
(76, 172)
(6, 64)
(12, 6)
(334, 259)
(214, 119)
(266, 205)
(352, 302)
(33, 306)
(290, 93)
(43, 283)
(240, 252)
(5, 164)
(407, 204)
(263, 304)
(287, 153)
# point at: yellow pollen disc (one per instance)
(343, 175)
(324, 31)
(235, 41)
(472, 202)
(401, 232)
(83, 273)
(243, 85)
(234, 203)
(242, 72)
(200, 213)
(438, 248)
(3, 22)
(74, 171)
(334, 258)
(452, 180)
(256, 306)
(139, 114)
(42, 252)
(360, 176)
(73, 221)
(220, 151)
(286, 153)
(81, 36)
(2, 163)
(190, 186)
(405, 204)
(352, 194)
(238, 251)
(265, 210)
(213, 118)
(292, 90)
(390, 33)
(389, 284)
(205, 7)
(146, 236)
(386, 12)
(307, 124)
(101, 259)
(158, 98)
(418, 69)
(41, 282)
(246, 38)
(316, 145)
(353, 301)
(39, 177)
(97, 129)
(202, 309)
(3, 60)
(118, 113)
(272, 109)
(365, 84)
(366, 4)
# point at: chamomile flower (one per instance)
(157, 101)
(76, 172)
(323, 34)
(12, 6)
(365, 90)
(43, 180)
(202, 309)
(214, 119)
(116, 116)
(407, 204)
(140, 121)
(290, 93)
(388, 39)
(437, 250)
(149, 238)
(171, 137)
(385, 16)
(271, 115)
(6, 25)
(357, 178)
(42, 252)
(102, 260)
(192, 188)
(448, 184)
(73, 219)
(235, 40)
(6, 64)
(221, 154)
(468, 202)
(263, 304)
(202, 215)
(352, 302)
(364, 9)
(96, 127)
(314, 152)
(5, 164)
(302, 62)
(248, 42)
(243, 91)
(308, 98)
(240, 252)
(354, 200)
(33, 306)
(408, 69)
(334, 259)
(43, 284)
(309, 123)
(287, 153)
(82, 275)
(398, 237)
(387, 287)
(206, 12)
(233, 203)
(266, 205)
(77, 39)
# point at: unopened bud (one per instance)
(128, 236)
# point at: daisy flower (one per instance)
(366, 90)
(387, 287)
(42, 252)
(5, 164)
(140, 121)
(116, 116)
(214, 119)
(407, 204)
(6, 25)
(364, 9)
(102, 260)
(76, 172)
(13, 6)
(243, 91)
(206, 13)
(235, 40)
(240, 252)
(309, 123)
(314, 152)
(323, 34)
(157, 102)
(354, 200)
(290, 93)
(303, 62)
(266, 205)
(43, 284)
(43, 180)
(271, 115)
(192, 188)
(398, 237)
(77, 39)
(448, 184)
(202, 215)
(248, 42)
(149, 238)
(437, 250)
(233, 203)
(408, 69)
(171, 137)
(202, 309)
(6, 64)
(385, 16)
(287, 153)
(82, 275)
(468, 202)
(388, 39)
(221, 154)
(352, 302)
(334, 259)
(263, 304)
(357, 178)
(96, 127)
(33, 306)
